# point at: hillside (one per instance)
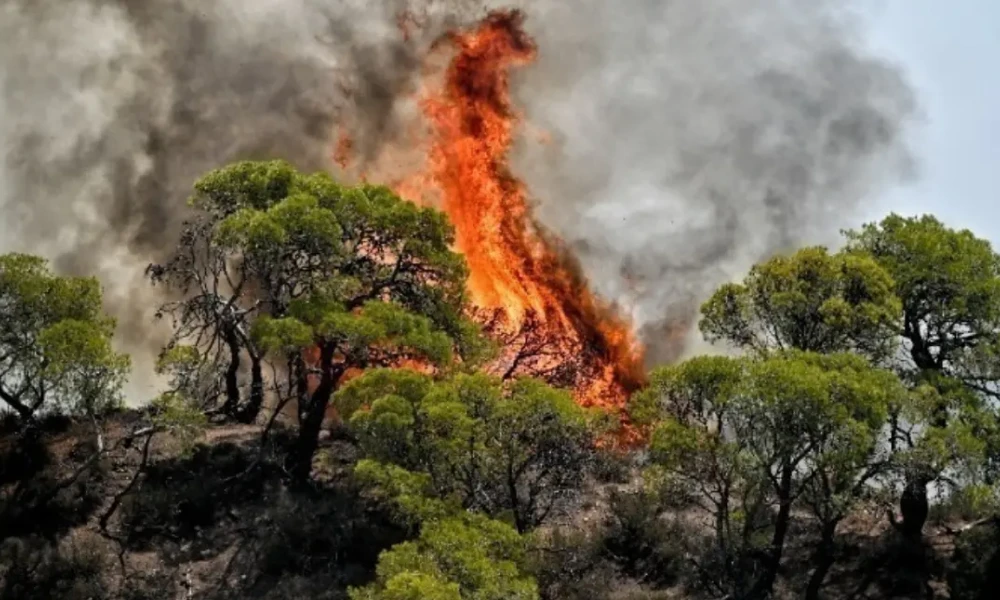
(219, 521)
(338, 421)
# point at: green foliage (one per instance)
(55, 342)
(949, 284)
(740, 435)
(411, 494)
(521, 451)
(278, 261)
(243, 184)
(190, 373)
(280, 265)
(467, 557)
(361, 336)
(176, 414)
(323, 251)
(811, 300)
(687, 388)
(345, 245)
(975, 568)
(281, 336)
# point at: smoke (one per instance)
(688, 139)
(111, 109)
(692, 139)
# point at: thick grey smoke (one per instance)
(110, 109)
(692, 139)
(689, 138)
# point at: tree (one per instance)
(949, 285)
(320, 278)
(811, 301)
(521, 451)
(55, 342)
(339, 278)
(748, 440)
(217, 290)
(467, 557)
(458, 554)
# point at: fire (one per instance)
(526, 289)
(517, 270)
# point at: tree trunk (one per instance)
(765, 585)
(914, 507)
(824, 560)
(520, 519)
(232, 372)
(252, 410)
(721, 523)
(26, 412)
(312, 417)
(913, 503)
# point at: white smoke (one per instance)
(689, 138)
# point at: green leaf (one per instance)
(282, 335)
(55, 342)
(811, 300)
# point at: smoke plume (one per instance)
(692, 139)
(684, 140)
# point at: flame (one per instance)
(518, 271)
(345, 147)
(524, 285)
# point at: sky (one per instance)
(950, 51)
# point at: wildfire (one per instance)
(527, 291)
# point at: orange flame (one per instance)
(522, 281)
(516, 268)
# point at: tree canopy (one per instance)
(321, 278)
(522, 451)
(741, 437)
(813, 301)
(458, 558)
(854, 379)
(55, 342)
(948, 282)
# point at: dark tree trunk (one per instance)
(824, 560)
(312, 417)
(23, 410)
(520, 519)
(914, 507)
(232, 375)
(252, 410)
(765, 585)
(913, 503)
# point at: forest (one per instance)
(327, 430)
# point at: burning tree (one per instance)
(523, 284)
(287, 267)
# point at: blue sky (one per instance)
(950, 51)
